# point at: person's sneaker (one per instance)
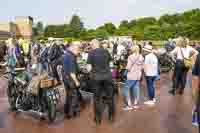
(127, 108)
(195, 124)
(154, 100)
(135, 107)
(150, 102)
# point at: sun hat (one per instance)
(148, 48)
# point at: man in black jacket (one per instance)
(55, 52)
(99, 60)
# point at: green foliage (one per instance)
(148, 28)
(152, 32)
(76, 26)
(56, 31)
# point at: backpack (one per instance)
(54, 52)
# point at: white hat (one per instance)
(50, 39)
(76, 43)
(148, 48)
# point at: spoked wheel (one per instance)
(51, 107)
(12, 96)
(18, 101)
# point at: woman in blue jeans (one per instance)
(151, 72)
(134, 67)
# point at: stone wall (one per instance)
(22, 28)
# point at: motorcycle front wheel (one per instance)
(51, 107)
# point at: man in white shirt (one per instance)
(151, 71)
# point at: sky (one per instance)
(92, 12)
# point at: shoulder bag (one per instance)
(187, 61)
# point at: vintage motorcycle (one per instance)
(21, 100)
(166, 61)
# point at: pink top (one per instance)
(134, 67)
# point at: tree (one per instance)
(143, 22)
(132, 23)
(124, 24)
(152, 32)
(68, 31)
(170, 19)
(110, 28)
(167, 26)
(101, 34)
(35, 32)
(76, 26)
(40, 27)
(56, 31)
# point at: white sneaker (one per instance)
(150, 102)
(154, 100)
(127, 108)
(195, 124)
(135, 107)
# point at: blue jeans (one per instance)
(132, 86)
(151, 80)
(43, 67)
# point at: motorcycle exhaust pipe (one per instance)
(33, 112)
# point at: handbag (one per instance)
(126, 70)
(187, 61)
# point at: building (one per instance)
(4, 35)
(24, 27)
(21, 28)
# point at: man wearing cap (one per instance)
(151, 71)
(71, 82)
(99, 60)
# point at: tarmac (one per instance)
(171, 114)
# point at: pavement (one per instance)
(171, 114)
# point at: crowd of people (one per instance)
(104, 61)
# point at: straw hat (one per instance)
(148, 48)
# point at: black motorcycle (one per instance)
(166, 61)
(21, 100)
